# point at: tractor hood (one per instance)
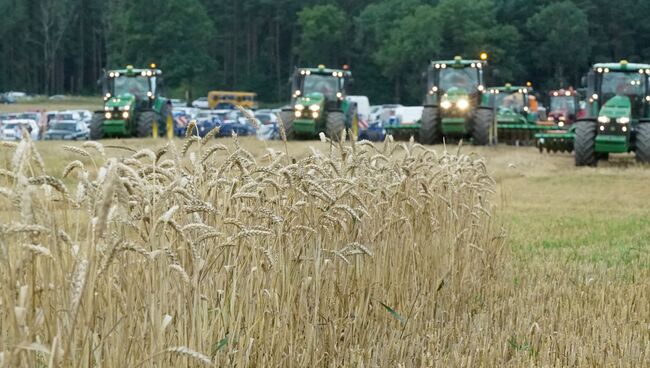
(314, 98)
(454, 94)
(122, 100)
(617, 107)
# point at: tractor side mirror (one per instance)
(583, 81)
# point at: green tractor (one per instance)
(133, 106)
(517, 114)
(456, 104)
(319, 104)
(618, 113)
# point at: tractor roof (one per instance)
(321, 69)
(129, 70)
(458, 61)
(511, 89)
(623, 65)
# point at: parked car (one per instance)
(68, 130)
(178, 103)
(12, 129)
(238, 123)
(85, 115)
(5, 98)
(267, 125)
(363, 110)
(201, 103)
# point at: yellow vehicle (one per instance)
(228, 99)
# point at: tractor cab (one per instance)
(455, 85)
(564, 107)
(316, 84)
(517, 113)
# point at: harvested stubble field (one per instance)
(246, 253)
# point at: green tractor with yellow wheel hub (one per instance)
(618, 113)
(133, 105)
(456, 104)
(319, 104)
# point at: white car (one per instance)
(12, 129)
(201, 103)
(363, 109)
(178, 103)
(84, 115)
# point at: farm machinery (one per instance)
(564, 110)
(318, 104)
(516, 114)
(133, 105)
(456, 104)
(618, 113)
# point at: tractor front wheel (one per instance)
(482, 125)
(585, 144)
(287, 118)
(642, 149)
(97, 126)
(145, 123)
(335, 125)
(430, 129)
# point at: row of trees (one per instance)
(61, 46)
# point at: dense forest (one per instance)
(61, 46)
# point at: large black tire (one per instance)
(287, 118)
(335, 125)
(97, 126)
(642, 149)
(430, 129)
(483, 120)
(585, 143)
(146, 120)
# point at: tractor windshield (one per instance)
(514, 101)
(622, 84)
(328, 85)
(563, 104)
(465, 78)
(137, 86)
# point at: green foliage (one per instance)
(323, 30)
(62, 46)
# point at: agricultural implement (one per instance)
(133, 106)
(318, 104)
(516, 114)
(456, 104)
(618, 113)
(564, 110)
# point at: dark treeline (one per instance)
(61, 46)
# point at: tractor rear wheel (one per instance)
(481, 129)
(335, 125)
(145, 123)
(97, 126)
(430, 130)
(585, 144)
(287, 118)
(642, 149)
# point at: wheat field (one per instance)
(233, 252)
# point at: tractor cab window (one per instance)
(137, 86)
(465, 78)
(622, 84)
(563, 104)
(513, 101)
(328, 85)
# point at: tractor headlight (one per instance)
(602, 128)
(623, 120)
(125, 114)
(603, 119)
(314, 107)
(106, 108)
(462, 104)
(314, 115)
(445, 104)
(300, 107)
(107, 115)
(125, 108)
(562, 118)
(297, 114)
(560, 124)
